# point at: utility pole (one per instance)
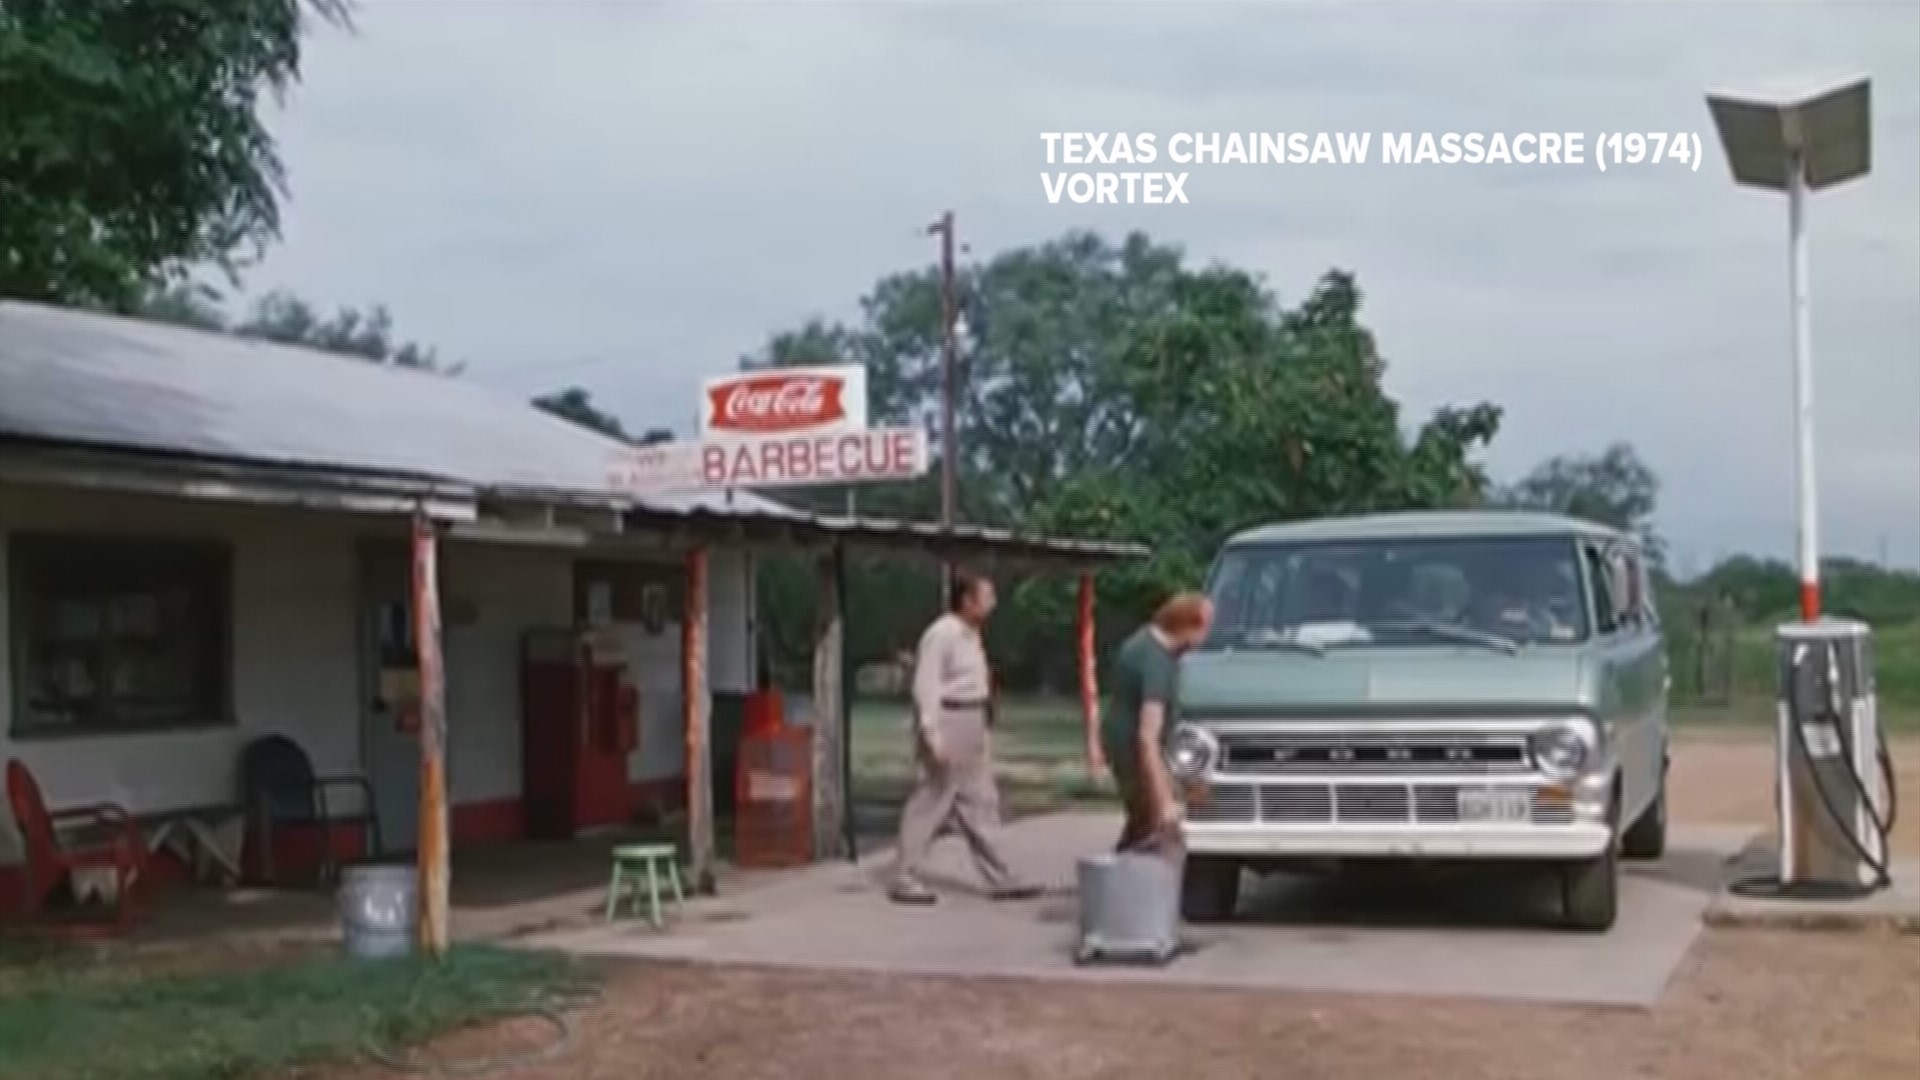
(949, 310)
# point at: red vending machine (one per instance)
(580, 725)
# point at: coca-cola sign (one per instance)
(787, 401)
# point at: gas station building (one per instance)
(205, 540)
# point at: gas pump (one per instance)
(1834, 787)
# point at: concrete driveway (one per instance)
(1472, 936)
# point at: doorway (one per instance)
(389, 746)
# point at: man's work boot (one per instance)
(911, 891)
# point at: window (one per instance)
(1628, 564)
(1649, 605)
(115, 634)
(1605, 607)
(1397, 591)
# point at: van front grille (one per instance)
(1236, 803)
(1279, 751)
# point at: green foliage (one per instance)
(288, 320)
(1614, 488)
(97, 1022)
(576, 404)
(183, 303)
(1746, 597)
(1112, 391)
(131, 146)
(1768, 590)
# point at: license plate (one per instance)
(1502, 806)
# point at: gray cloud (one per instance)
(629, 196)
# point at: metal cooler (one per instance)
(1129, 909)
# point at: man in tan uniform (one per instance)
(952, 710)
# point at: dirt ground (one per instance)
(1746, 1005)
(1725, 777)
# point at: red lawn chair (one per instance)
(109, 838)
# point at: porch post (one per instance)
(433, 856)
(696, 708)
(829, 715)
(1089, 684)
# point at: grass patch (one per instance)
(76, 1020)
(1039, 747)
(1755, 671)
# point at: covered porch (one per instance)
(326, 577)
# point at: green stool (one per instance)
(630, 861)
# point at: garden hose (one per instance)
(487, 1065)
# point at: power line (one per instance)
(584, 360)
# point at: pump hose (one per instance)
(1772, 886)
(550, 1012)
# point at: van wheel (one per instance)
(1590, 893)
(1209, 889)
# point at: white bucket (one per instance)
(379, 910)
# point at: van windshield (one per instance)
(1497, 591)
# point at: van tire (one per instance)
(1590, 893)
(1647, 838)
(1209, 889)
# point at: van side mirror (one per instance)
(1626, 590)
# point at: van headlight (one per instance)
(1192, 752)
(1562, 751)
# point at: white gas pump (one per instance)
(1834, 782)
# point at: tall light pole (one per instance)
(949, 308)
(1798, 143)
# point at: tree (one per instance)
(1243, 415)
(1615, 488)
(1763, 590)
(131, 145)
(576, 404)
(183, 303)
(1114, 391)
(289, 320)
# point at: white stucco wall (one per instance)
(653, 663)
(505, 591)
(296, 653)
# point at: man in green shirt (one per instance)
(1140, 716)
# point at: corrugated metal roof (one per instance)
(960, 537)
(119, 384)
(981, 535)
(78, 377)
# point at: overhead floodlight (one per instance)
(1822, 136)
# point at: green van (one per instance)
(1460, 687)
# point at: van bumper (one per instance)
(1581, 840)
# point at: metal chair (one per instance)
(282, 789)
(115, 844)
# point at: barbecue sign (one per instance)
(790, 427)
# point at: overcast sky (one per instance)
(629, 196)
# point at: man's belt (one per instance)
(965, 705)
